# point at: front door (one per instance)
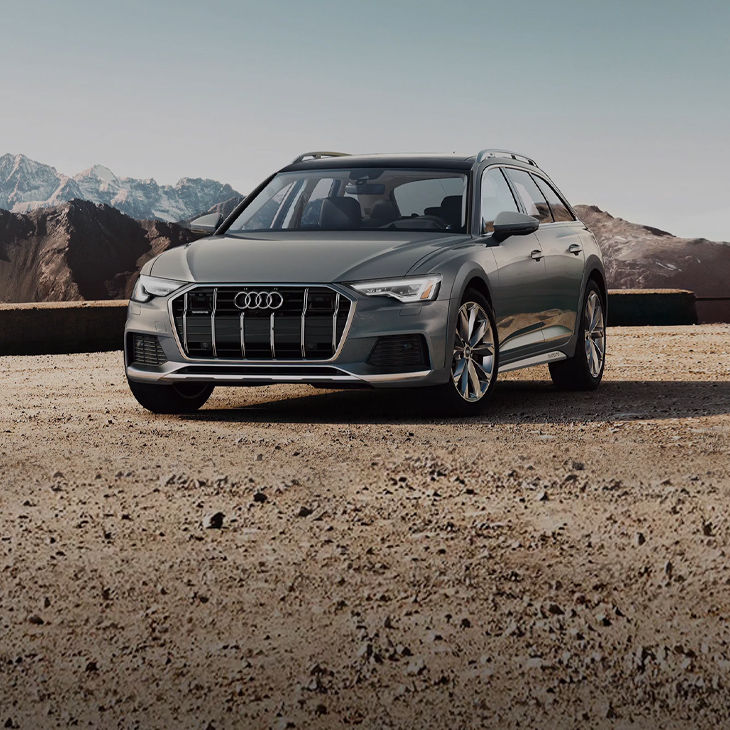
(519, 292)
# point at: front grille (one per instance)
(222, 322)
(145, 350)
(399, 354)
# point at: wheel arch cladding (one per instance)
(479, 284)
(598, 277)
(471, 279)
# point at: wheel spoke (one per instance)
(472, 319)
(478, 336)
(595, 311)
(458, 370)
(464, 382)
(487, 365)
(483, 376)
(595, 361)
(598, 343)
(591, 310)
(482, 349)
(463, 329)
(474, 379)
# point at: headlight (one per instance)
(412, 289)
(152, 286)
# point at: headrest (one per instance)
(384, 211)
(340, 213)
(452, 204)
(451, 210)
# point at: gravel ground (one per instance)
(559, 562)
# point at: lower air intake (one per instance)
(399, 354)
(145, 350)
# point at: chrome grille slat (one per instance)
(309, 324)
(334, 321)
(185, 323)
(242, 332)
(303, 324)
(212, 323)
(272, 342)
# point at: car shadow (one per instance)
(518, 401)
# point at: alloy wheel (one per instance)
(472, 367)
(595, 334)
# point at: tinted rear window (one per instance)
(557, 206)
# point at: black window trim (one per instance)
(559, 195)
(543, 177)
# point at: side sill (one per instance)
(529, 362)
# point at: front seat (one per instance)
(451, 210)
(342, 213)
(383, 212)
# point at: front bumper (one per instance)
(373, 317)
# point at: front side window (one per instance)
(357, 199)
(557, 206)
(533, 200)
(496, 197)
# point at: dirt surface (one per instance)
(561, 561)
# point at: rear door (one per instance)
(518, 292)
(564, 264)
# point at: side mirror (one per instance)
(206, 223)
(509, 223)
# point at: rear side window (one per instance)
(496, 197)
(557, 206)
(533, 200)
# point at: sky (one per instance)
(626, 104)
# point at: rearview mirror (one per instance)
(206, 223)
(508, 223)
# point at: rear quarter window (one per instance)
(560, 210)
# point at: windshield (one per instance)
(363, 198)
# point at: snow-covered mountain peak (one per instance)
(100, 172)
(26, 184)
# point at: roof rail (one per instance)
(318, 156)
(483, 154)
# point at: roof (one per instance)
(416, 161)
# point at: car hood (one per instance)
(311, 257)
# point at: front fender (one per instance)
(459, 272)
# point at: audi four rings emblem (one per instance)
(258, 300)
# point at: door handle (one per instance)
(537, 254)
(575, 248)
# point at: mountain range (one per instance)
(27, 185)
(643, 257)
(78, 250)
(83, 250)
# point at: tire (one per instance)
(584, 370)
(474, 359)
(177, 398)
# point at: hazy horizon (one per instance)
(624, 105)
